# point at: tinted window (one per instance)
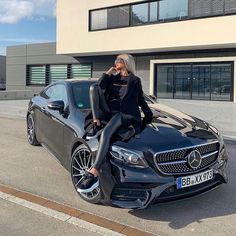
(140, 14)
(99, 19)
(118, 17)
(57, 92)
(81, 95)
(171, 9)
(221, 82)
(165, 74)
(153, 11)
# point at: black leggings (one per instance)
(101, 111)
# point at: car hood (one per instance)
(170, 129)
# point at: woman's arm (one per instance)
(106, 78)
(143, 104)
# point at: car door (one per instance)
(53, 121)
(56, 122)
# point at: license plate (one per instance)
(187, 181)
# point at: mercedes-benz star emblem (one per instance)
(194, 159)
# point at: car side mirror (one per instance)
(56, 106)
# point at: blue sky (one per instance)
(26, 21)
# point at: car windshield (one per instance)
(81, 95)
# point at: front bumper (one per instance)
(137, 189)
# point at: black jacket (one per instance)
(132, 99)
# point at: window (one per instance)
(98, 19)
(81, 95)
(153, 11)
(58, 72)
(230, 6)
(201, 75)
(56, 92)
(171, 9)
(80, 71)
(36, 75)
(205, 81)
(118, 17)
(221, 82)
(165, 74)
(140, 14)
(158, 11)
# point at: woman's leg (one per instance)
(100, 109)
(112, 126)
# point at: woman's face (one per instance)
(119, 63)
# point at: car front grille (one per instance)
(174, 162)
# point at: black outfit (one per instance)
(117, 99)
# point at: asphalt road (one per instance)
(32, 169)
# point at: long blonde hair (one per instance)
(128, 61)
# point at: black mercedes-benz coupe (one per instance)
(175, 156)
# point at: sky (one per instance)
(26, 21)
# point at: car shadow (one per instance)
(218, 202)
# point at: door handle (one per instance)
(43, 109)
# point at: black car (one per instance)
(175, 156)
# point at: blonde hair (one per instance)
(128, 61)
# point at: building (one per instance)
(184, 49)
(2, 72)
(33, 66)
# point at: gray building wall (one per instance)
(2, 68)
(33, 54)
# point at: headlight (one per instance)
(216, 131)
(129, 157)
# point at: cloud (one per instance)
(12, 11)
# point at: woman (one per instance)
(119, 105)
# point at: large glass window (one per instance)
(118, 17)
(164, 81)
(201, 75)
(230, 6)
(140, 14)
(221, 82)
(153, 11)
(171, 9)
(158, 11)
(208, 81)
(182, 81)
(36, 75)
(98, 19)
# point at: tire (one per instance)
(81, 161)
(31, 136)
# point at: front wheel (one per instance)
(31, 136)
(82, 161)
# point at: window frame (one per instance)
(225, 13)
(192, 64)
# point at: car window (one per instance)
(81, 95)
(56, 92)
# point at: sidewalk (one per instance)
(220, 114)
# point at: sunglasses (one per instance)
(119, 60)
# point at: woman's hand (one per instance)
(112, 70)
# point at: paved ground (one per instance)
(16, 220)
(32, 169)
(220, 114)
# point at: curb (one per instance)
(68, 214)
